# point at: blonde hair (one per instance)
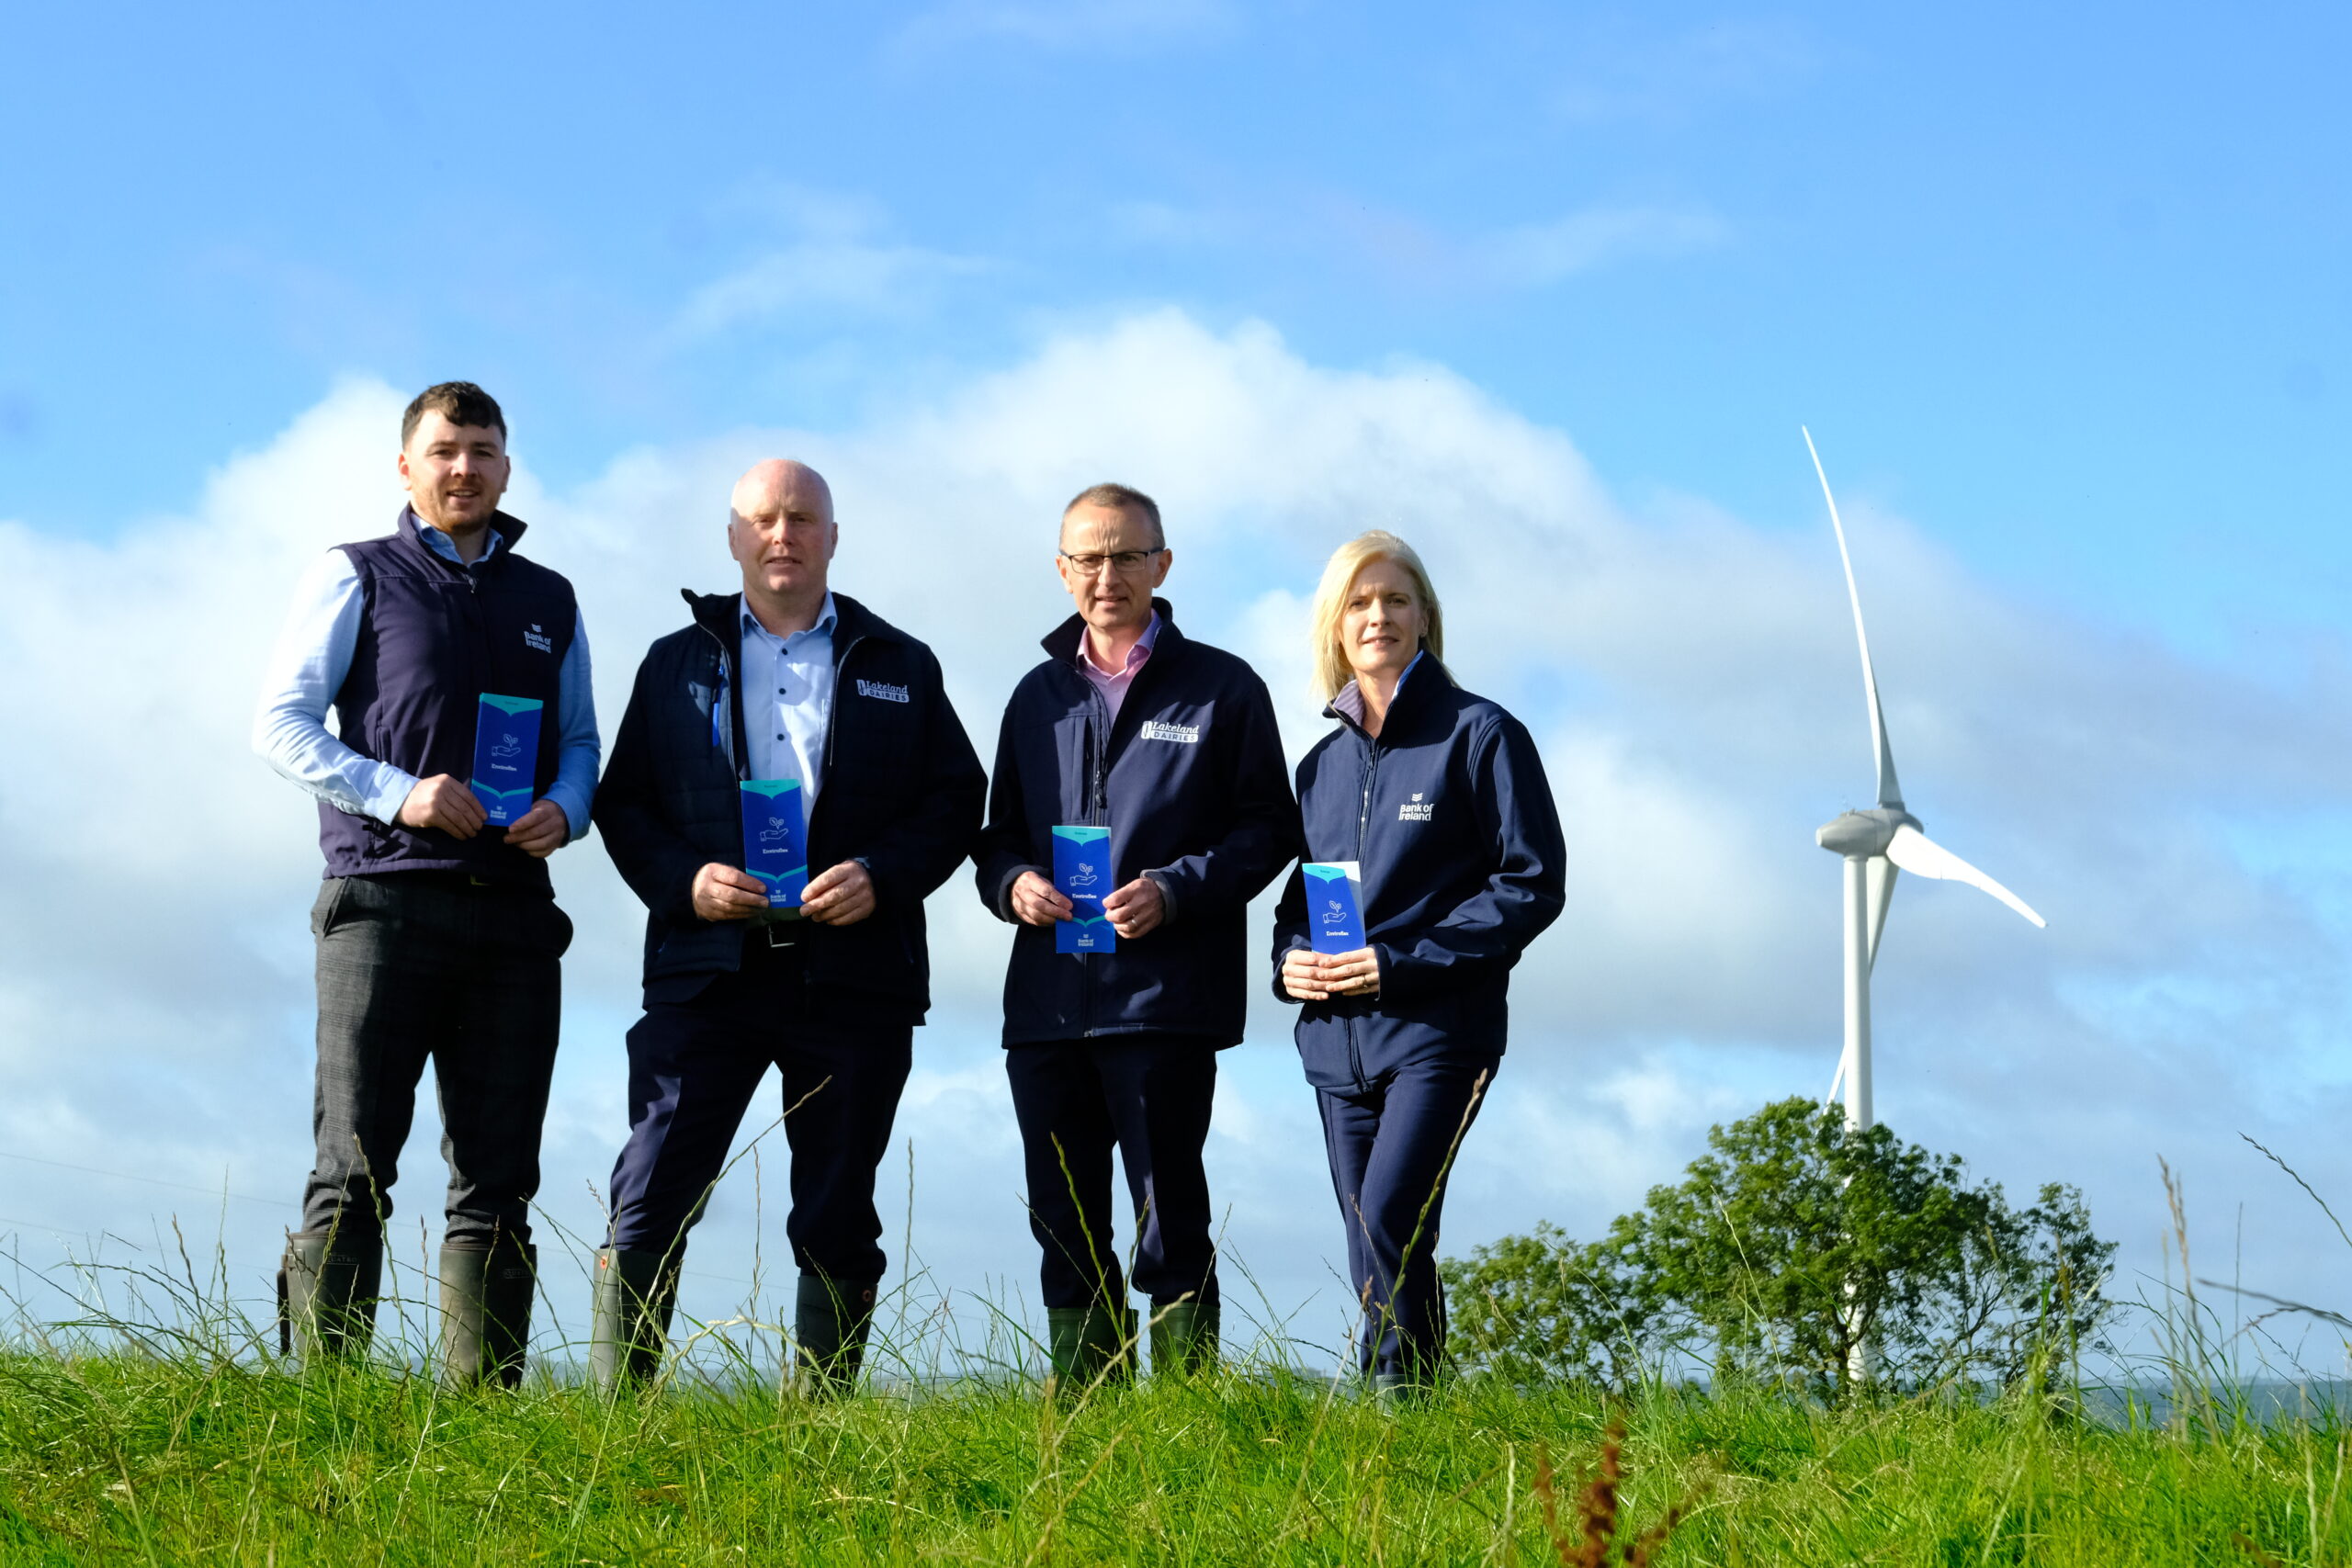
(1331, 668)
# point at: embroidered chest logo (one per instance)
(1182, 734)
(1416, 809)
(539, 640)
(889, 693)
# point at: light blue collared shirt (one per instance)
(787, 697)
(313, 655)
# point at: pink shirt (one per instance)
(1114, 684)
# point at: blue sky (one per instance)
(2060, 292)
(2064, 283)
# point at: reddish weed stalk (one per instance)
(1594, 1542)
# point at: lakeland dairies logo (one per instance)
(1182, 734)
(1416, 809)
(889, 693)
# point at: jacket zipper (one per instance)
(1096, 808)
(1371, 753)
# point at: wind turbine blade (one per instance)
(1889, 792)
(1914, 851)
(1880, 874)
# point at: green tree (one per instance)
(1789, 1243)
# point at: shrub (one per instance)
(1788, 1246)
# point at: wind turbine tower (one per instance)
(1875, 844)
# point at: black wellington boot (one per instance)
(1087, 1345)
(327, 1287)
(486, 1313)
(629, 1316)
(1184, 1338)
(832, 1319)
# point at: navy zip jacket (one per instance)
(901, 793)
(1448, 814)
(1190, 784)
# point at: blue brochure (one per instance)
(776, 838)
(1334, 904)
(1082, 876)
(506, 756)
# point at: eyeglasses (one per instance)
(1124, 562)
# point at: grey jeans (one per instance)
(422, 965)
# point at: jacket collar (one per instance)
(1061, 643)
(717, 614)
(1427, 680)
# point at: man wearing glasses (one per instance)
(784, 683)
(1171, 746)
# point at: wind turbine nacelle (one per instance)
(1865, 833)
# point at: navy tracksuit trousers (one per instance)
(692, 1069)
(1149, 1096)
(1389, 1144)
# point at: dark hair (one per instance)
(460, 402)
(1126, 498)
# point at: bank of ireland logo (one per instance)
(1416, 809)
(539, 640)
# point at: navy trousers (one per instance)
(1148, 1096)
(416, 967)
(1388, 1144)
(693, 1067)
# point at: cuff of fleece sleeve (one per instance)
(1167, 885)
(1004, 891)
(388, 792)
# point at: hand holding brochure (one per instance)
(506, 756)
(1334, 904)
(1082, 876)
(776, 838)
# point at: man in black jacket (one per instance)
(1171, 745)
(785, 680)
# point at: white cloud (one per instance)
(1689, 676)
(1541, 253)
(833, 261)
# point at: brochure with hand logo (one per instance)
(1082, 876)
(1334, 904)
(506, 756)
(775, 834)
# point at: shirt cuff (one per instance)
(388, 792)
(575, 809)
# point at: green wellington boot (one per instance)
(831, 1321)
(327, 1288)
(486, 1313)
(629, 1316)
(1184, 1338)
(1087, 1345)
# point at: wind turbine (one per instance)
(1875, 844)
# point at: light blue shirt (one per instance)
(313, 655)
(788, 698)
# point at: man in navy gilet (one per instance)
(438, 935)
(782, 681)
(1171, 745)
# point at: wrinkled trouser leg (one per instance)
(1389, 1147)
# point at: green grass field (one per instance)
(125, 1457)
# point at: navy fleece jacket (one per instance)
(1192, 785)
(1451, 819)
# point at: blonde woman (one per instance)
(1439, 798)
